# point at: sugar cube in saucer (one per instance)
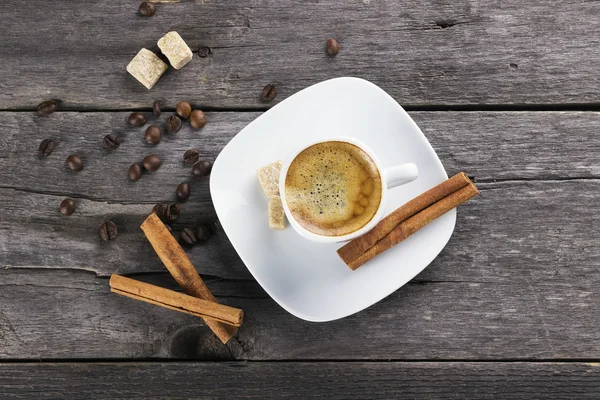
(276, 213)
(147, 68)
(268, 176)
(176, 50)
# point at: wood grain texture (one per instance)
(65, 314)
(388, 380)
(421, 52)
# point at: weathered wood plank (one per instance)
(432, 52)
(389, 380)
(488, 145)
(49, 314)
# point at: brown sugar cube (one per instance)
(173, 46)
(276, 213)
(147, 68)
(268, 176)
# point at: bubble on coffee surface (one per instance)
(333, 188)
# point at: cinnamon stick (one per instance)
(408, 219)
(175, 301)
(358, 246)
(181, 268)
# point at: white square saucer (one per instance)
(308, 279)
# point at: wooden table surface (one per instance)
(506, 91)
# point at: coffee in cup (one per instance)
(333, 188)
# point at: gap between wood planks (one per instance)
(590, 361)
(553, 107)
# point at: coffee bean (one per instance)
(167, 212)
(156, 108)
(169, 228)
(172, 212)
(160, 210)
(203, 232)
(202, 168)
(111, 141)
(74, 162)
(47, 107)
(67, 206)
(135, 172)
(197, 119)
(151, 162)
(183, 109)
(153, 135)
(188, 237)
(173, 124)
(183, 191)
(268, 93)
(191, 157)
(332, 47)
(46, 148)
(204, 52)
(136, 119)
(108, 231)
(147, 9)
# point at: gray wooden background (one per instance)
(506, 91)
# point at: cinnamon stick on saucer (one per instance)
(408, 219)
(181, 268)
(175, 301)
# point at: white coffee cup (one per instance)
(390, 178)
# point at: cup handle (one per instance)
(401, 174)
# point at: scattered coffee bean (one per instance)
(204, 52)
(156, 108)
(188, 237)
(167, 212)
(203, 232)
(183, 109)
(108, 231)
(153, 135)
(183, 191)
(151, 162)
(135, 172)
(169, 228)
(147, 9)
(191, 157)
(202, 168)
(173, 124)
(136, 119)
(74, 162)
(46, 148)
(67, 206)
(268, 93)
(160, 210)
(111, 141)
(172, 212)
(332, 46)
(197, 119)
(47, 107)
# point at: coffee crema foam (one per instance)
(333, 188)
